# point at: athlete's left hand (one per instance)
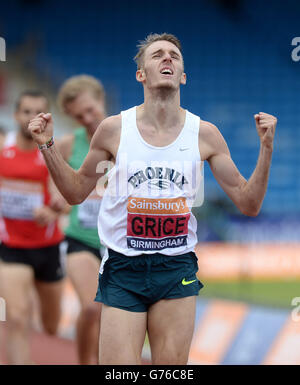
(266, 125)
(44, 215)
(58, 204)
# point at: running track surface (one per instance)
(51, 350)
(47, 350)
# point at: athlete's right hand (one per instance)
(44, 216)
(41, 128)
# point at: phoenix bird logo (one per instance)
(161, 184)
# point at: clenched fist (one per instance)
(265, 125)
(41, 128)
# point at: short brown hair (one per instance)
(32, 94)
(75, 85)
(152, 38)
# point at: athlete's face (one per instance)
(29, 107)
(162, 66)
(87, 110)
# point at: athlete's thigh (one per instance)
(170, 329)
(16, 284)
(122, 336)
(83, 270)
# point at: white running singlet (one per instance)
(146, 207)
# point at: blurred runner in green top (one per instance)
(83, 99)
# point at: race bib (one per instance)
(18, 199)
(156, 224)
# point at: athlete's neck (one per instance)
(24, 143)
(161, 109)
(90, 132)
(89, 135)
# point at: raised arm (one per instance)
(247, 195)
(74, 186)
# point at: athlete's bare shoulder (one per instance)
(207, 130)
(107, 136)
(65, 145)
(211, 141)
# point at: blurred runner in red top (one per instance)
(29, 232)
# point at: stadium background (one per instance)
(238, 62)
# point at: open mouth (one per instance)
(166, 71)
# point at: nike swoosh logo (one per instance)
(183, 149)
(184, 282)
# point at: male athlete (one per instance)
(148, 281)
(82, 98)
(29, 253)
